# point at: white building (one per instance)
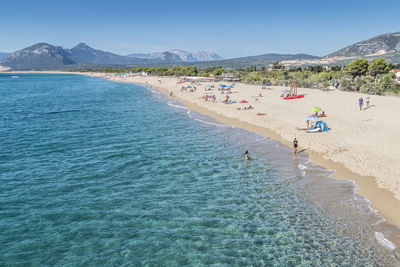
(229, 77)
(397, 72)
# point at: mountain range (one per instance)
(43, 56)
(46, 56)
(182, 55)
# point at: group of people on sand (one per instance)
(361, 102)
(208, 97)
(245, 108)
(320, 115)
(227, 100)
(285, 95)
(191, 89)
(310, 123)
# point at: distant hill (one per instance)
(144, 55)
(260, 60)
(82, 53)
(4, 55)
(44, 56)
(206, 56)
(181, 56)
(169, 57)
(385, 46)
(38, 56)
(379, 45)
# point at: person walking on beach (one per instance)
(367, 100)
(295, 146)
(246, 155)
(361, 102)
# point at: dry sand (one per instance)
(362, 146)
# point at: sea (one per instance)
(99, 173)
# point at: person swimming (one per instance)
(246, 155)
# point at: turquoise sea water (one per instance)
(97, 173)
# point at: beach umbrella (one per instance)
(230, 86)
(311, 118)
(223, 85)
(188, 86)
(242, 101)
(316, 109)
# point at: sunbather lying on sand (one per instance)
(226, 99)
(249, 107)
(260, 114)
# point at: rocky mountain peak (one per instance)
(379, 45)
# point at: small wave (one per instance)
(383, 241)
(302, 167)
(156, 92)
(176, 106)
(211, 123)
(62, 111)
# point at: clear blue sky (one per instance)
(229, 28)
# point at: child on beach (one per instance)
(367, 100)
(361, 102)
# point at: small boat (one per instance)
(15, 76)
(293, 97)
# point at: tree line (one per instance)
(360, 75)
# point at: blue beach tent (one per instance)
(322, 125)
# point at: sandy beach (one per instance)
(361, 146)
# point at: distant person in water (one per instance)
(295, 146)
(246, 155)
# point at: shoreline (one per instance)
(381, 199)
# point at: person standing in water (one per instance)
(246, 155)
(295, 146)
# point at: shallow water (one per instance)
(100, 173)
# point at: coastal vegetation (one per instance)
(360, 75)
